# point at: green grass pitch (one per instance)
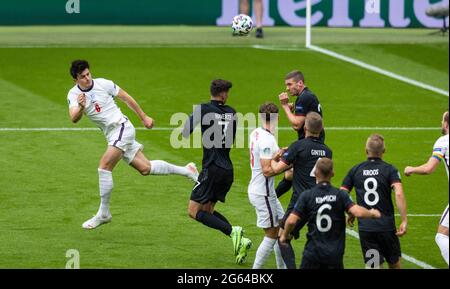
(49, 183)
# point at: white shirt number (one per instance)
(323, 217)
(371, 191)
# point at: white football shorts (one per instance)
(268, 210)
(123, 137)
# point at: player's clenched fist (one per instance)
(408, 171)
(81, 100)
(148, 122)
(375, 213)
(284, 98)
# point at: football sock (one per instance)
(263, 252)
(287, 252)
(220, 216)
(283, 187)
(164, 168)
(105, 181)
(442, 242)
(278, 257)
(214, 222)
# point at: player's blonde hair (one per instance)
(313, 122)
(324, 168)
(446, 116)
(375, 145)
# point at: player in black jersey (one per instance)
(218, 126)
(305, 102)
(302, 155)
(373, 181)
(324, 208)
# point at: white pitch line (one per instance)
(378, 70)
(421, 215)
(278, 48)
(25, 129)
(404, 256)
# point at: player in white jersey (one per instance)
(261, 190)
(440, 153)
(95, 99)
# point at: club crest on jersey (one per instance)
(266, 151)
(92, 97)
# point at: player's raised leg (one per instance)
(205, 214)
(107, 163)
(159, 167)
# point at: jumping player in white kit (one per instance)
(440, 153)
(261, 190)
(95, 99)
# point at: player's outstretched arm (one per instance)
(401, 205)
(266, 164)
(278, 167)
(129, 100)
(289, 225)
(361, 212)
(425, 169)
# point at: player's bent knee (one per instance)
(192, 212)
(145, 171)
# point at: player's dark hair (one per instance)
(268, 111)
(446, 116)
(375, 145)
(77, 67)
(313, 123)
(324, 167)
(296, 75)
(219, 85)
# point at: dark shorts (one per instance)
(386, 244)
(310, 264)
(214, 184)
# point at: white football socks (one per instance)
(263, 252)
(442, 242)
(106, 186)
(279, 257)
(164, 168)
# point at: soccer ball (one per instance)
(242, 25)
